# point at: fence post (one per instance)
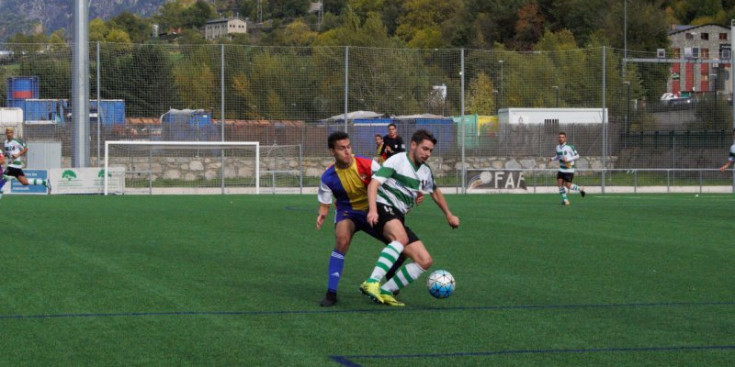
(604, 117)
(464, 168)
(347, 83)
(222, 114)
(635, 181)
(99, 106)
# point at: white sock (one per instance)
(405, 276)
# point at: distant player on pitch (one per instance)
(566, 155)
(731, 156)
(15, 149)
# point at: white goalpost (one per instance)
(184, 167)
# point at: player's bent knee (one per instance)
(426, 262)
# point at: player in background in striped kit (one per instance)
(15, 149)
(731, 156)
(391, 195)
(345, 182)
(566, 155)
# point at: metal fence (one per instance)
(297, 96)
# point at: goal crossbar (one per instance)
(223, 144)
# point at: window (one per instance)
(723, 36)
(724, 53)
(704, 36)
(689, 36)
(677, 53)
(704, 53)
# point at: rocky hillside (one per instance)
(29, 16)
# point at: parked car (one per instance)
(675, 102)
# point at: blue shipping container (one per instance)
(189, 125)
(112, 111)
(42, 110)
(22, 87)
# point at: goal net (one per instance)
(185, 167)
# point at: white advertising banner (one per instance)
(86, 180)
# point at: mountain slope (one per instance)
(29, 16)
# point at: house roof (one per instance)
(686, 28)
(223, 20)
(356, 115)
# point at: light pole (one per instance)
(626, 129)
(556, 92)
(495, 92)
(625, 34)
(714, 91)
(501, 78)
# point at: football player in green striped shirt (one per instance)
(15, 149)
(731, 155)
(566, 154)
(392, 193)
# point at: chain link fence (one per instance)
(296, 96)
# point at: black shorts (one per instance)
(567, 177)
(14, 172)
(387, 213)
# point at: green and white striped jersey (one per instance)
(566, 155)
(14, 147)
(401, 181)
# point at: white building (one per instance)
(224, 28)
(551, 116)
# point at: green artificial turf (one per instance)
(612, 280)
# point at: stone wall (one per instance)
(188, 169)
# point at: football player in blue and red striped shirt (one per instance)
(345, 182)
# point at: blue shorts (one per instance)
(361, 224)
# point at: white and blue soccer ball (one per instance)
(440, 284)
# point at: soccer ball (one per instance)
(440, 284)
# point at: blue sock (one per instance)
(336, 263)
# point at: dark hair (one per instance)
(335, 136)
(378, 135)
(421, 135)
(392, 124)
(562, 133)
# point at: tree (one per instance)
(144, 79)
(97, 30)
(421, 22)
(646, 26)
(298, 33)
(137, 28)
(196, 16)
(581, 17)
(196, 80)
(529, 27)
(354, 32)
(481, 96)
